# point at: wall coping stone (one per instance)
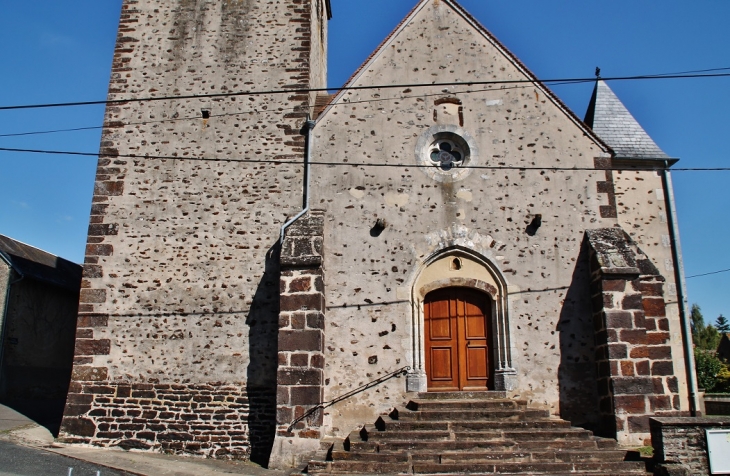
(717, 397)
(625, 271)
(691, 421)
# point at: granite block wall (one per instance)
(636, 376)
(680, 443)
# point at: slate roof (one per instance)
(609, 118)
(41, 265)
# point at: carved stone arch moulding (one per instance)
(458, 282)
(476, 272)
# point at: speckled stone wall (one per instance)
(373, 137)
(181, 278)
(641, 205)
(180, 304)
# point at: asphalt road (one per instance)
(22, 461)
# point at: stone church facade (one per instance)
(251, 256)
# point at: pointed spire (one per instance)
(613, 123)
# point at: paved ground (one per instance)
(18, 460)
(10, 419)
(28, 449)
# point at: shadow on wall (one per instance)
(577, 374)
(38, 351)
(263, 342)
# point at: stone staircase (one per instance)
(473, 433)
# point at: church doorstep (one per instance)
(300, 375)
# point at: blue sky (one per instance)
(61, 51)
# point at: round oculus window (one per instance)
(445, 153)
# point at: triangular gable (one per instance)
(490, 38)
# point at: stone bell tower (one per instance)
(176, 343)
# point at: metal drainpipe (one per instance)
(7, 259)
(689, 357)
(309, 125)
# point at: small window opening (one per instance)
(455, 264)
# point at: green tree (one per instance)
(705, 337)
(698, 322)
(722, 325)
(723, 380)
(708, 367)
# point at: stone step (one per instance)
(370, 432)
(462, 404)
(357, 467)
(605, 443)
(538, 444)
(567, 456)
(395, 446)
(526, 435)
(481, 395)
(444, 434)
(383, 445)
(388, 424)
(470, 415)
(553, 469)
(630, 472)
(624, 467)
(396, 457)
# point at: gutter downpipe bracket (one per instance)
(308, 125)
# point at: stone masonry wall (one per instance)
(301, 337)
(379, 172)
(682, 442)
(180, 275)
(642, 214)
(633, 349)
(212, 420)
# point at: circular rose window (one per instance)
(445, 153)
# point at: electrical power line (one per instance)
(707, 274)
(198, 117)
(396, 98)
(33, 133)
(362, 164)
(690, 72)
(358, 88)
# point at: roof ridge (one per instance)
(362, 66)
(18, 242)
(527, 72)
(491, 38)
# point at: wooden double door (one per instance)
(457, 337)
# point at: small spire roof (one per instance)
(612, 122)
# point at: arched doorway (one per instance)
(457, 331)
(462, 268)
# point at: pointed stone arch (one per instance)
(457, 266)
